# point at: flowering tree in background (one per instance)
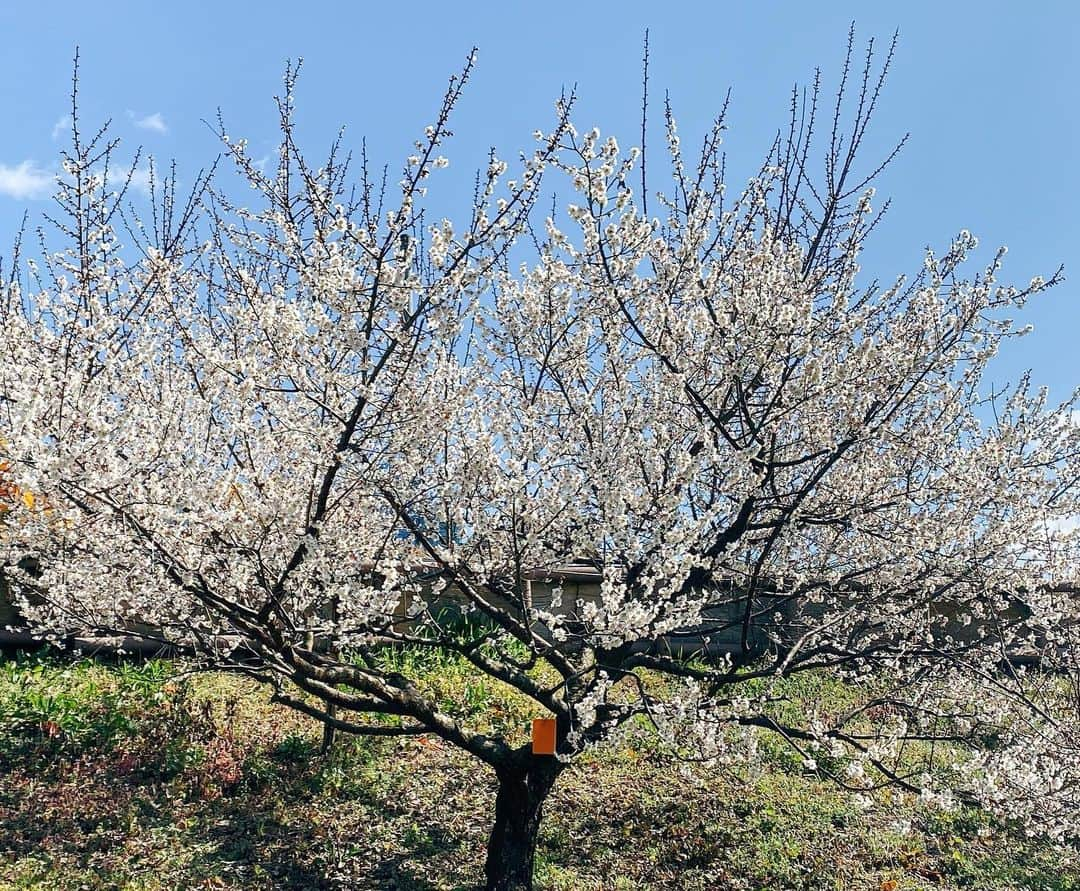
(303, 426)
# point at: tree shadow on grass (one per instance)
(242, 839)
(87, 818)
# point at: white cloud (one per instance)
(140, 178)
(29, 181)
(61, 126)
(26, 180)
(154, 122)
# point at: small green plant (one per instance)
(295, 748)
(179, 755)
(258, 771)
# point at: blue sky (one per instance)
(988, 91)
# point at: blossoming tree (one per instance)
(287, 436)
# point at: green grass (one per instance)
(134, 777)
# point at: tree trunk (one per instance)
(329, 731)
(518, 806)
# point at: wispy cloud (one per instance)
(26, 180)
(154, 122)
(60, 127)
(140, 178)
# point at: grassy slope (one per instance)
(133, 777)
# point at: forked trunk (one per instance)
(518, 805)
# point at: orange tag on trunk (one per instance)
(543, 736)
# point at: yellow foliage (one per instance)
(10, 494)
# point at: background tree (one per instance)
(303, 427)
